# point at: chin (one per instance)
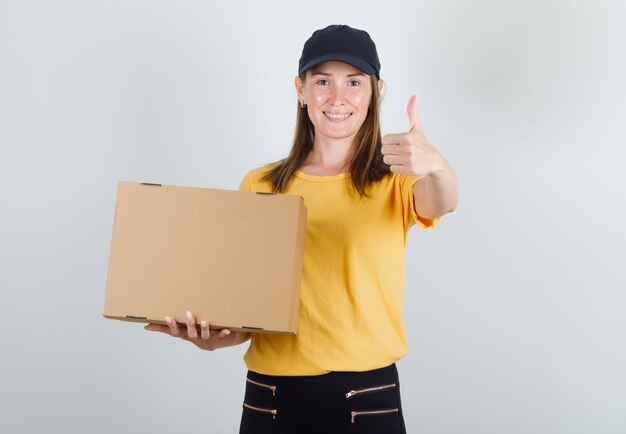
(338, 136)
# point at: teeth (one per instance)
(333, 116)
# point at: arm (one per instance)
(436, 193)
(411, 154)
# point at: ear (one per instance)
(380, 86)
(299, 87)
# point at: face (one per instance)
(337, 96)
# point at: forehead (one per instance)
(335, 67)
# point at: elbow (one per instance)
(439, 211)
(449, 206)
(454, 204)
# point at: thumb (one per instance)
(414, 118)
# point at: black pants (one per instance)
(337, 402)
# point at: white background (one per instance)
(514, 305)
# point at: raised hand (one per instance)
(410, 153)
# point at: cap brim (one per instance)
(354, 61)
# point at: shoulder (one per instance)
(252, 179)
(399, 181)
(405, 182)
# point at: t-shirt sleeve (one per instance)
(252, 181)
(411, 216)
(246, 183)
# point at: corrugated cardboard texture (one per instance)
(232, 258)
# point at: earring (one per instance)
(302, 104)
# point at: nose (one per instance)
(337, 96)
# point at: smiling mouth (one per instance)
(337, 117)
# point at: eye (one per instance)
(322, 80)
(354, 83)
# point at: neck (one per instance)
(332, 154)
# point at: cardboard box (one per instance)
(232, 258)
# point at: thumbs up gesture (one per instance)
(410, 153)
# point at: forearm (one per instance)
(436, 194)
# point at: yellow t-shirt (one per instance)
(352, 277)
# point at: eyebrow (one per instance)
(327, 74)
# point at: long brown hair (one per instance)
(366, 162)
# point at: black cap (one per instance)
(344, 43)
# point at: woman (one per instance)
(362, 193)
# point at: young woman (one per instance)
(363, 193)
